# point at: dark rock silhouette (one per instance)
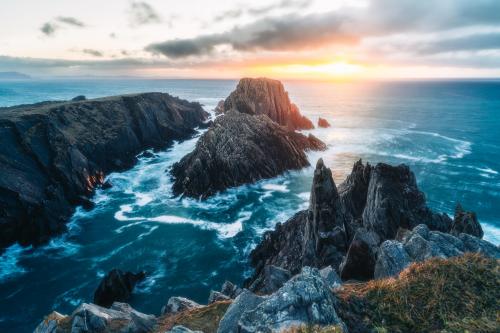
(238, 149)
(466, 222)
(116, 286)
(266, 96)
(322, 122)
(54, 154)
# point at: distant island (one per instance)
(13, 76)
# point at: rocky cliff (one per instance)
(238, 149)
(54, 154)
(266, 96)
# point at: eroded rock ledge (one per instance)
(54, 154)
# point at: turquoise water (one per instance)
(448, 132)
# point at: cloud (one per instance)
(283, 4)
(92, 52)
(142, 13)
(71, 21)
(48, 29)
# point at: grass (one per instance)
(314, 329)
(205, 319)
(460, 294)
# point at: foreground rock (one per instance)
(422, 244)
(89, 318)
(54, 154)
(238, 149)
(264, 96)
(116, 286)
(178, 304)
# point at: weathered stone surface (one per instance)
(230, 289)
(181, 329)
(466, 222)
(178, 304)
(264, 96)
(116, 286)
(303, 300)
(238, 149)
(54, 154)
(322, 122)
(270, 280)
(216, 296)
(330, 276)
(359, 263)
(421, 244)
(246, 301)
(51, 323)
(220, 107)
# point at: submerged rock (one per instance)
(264, 96)
(322, 122)
(54, 154)
(238, 149)
(116, 286)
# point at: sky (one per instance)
(301, 39)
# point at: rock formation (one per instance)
(268, 97)
(116, 286)
(322, 122)
(466, 222)
(54, 154)
(237, 149)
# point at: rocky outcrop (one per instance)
(54, 154)
(116, 286)
(322, 122)
(178, 304)
(421, 244)
(466, 222)
(264, 96)
(238, 149)
(246, 301)
(270, 280)
(89, 318)
(359, 262)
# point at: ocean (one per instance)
(446, 131)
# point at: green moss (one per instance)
(461, 294)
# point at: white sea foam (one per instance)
(491, 232)
(125, 209)
(143, 199)
(276, 187)
(488, 170)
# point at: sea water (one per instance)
(446, 131)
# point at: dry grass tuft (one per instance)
(314, 329)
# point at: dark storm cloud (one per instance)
(142, 13)
(92, 52)
(48, 29)
(345, 26)
(70, 21)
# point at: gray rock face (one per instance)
(266, 97)
(359, 263)
(466, 222)
(271, 279)
(54, 154)
(178, 304)
(238, 149)
(90, 318)
(182, 329)
(230, 289)
(246, 301)
(330, 277)
(303, 300)
(216, 296)
(116, 286)
(421, 244)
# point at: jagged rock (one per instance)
(421, 244)
(303, 300)
(246, 301)
(266, 97)
(394, 201)
(54, 154)
(466, 222)
(216, 296)
(271, 279)
(90, 318)
(392, 259)
(359, 263)
(330, 277)
(322, 122)
(116, 286)
(239, 149)
(178, 304)
(220, 107)
(79, 98)
(230, 289)
(181, 329)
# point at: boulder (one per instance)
(264, 96)
(303, 300)
(54, 154)
(178, 304)
(322, 122)
(466, 222)
(216, 296)
(359, 263)
(230, 289)
(246, 301)
(116, 286)
(271, 279)
(239, 149)
(330, 276)
(392, 259)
